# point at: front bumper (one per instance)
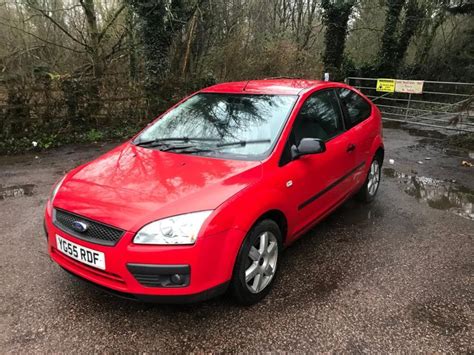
(168, 299)
(209, 264)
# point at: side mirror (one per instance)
(308, 146)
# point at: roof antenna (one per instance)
(245, 86)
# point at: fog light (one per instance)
(161, 275)
(177, 279)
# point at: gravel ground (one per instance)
(393, 276)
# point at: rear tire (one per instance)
(256, 265)
(369, 190)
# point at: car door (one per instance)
(360, 133)
(314, 181)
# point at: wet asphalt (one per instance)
(392, 276)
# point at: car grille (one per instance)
(96, 232)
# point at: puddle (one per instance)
(356, 213)
(392, 124)
(414, 131)
(447, 318)
(456, 153)
(438, 194)
(15, 191)
(426, 133)
(389, 172)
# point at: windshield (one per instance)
(221, 125)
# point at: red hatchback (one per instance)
(207, 196)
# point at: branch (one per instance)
(41, 39)
(58, 25)
(19, 52)
(117, 47)
(114, 17)
(461, 9)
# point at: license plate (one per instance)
(84, 255)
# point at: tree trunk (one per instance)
(435, 21)
(94, 48)
(132, 45)
(335, 18)
(95, 51)
(188, 44)
(389, 49)
(413, 19)
(158, 25)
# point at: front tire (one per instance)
(371, 186)
(256, 264)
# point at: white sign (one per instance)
(409, 86)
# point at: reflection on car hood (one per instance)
(131, 186)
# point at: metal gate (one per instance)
(437, 104)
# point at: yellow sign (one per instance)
(409, 86)
(386, 85)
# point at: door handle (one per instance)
(350, 148)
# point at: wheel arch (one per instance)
(380, 152)
(376, 149)
(279, 218)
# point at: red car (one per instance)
(205, 198)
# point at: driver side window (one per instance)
(320, 117)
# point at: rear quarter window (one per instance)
(356, 108)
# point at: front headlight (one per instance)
(181, 229)
(56, 189)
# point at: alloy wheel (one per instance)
(263, 257)
(374, 178)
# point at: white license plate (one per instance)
(84, 255)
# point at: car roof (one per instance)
(285, 86)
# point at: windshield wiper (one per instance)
(243, 143)
(176, 147)
(183, 139)
(194, 149)
(188, 149)
(165, 147)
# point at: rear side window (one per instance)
(356, 108)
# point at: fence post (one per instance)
(408, 107)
